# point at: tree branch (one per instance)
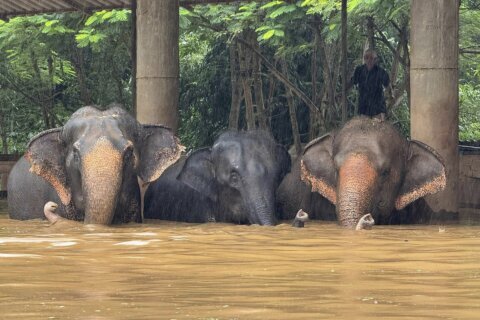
(280, 76)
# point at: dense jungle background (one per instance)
(271, 64)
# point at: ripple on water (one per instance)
(137, 242)
(34, 240)
(19, 255)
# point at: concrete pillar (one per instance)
(157, 62)
(434, 88)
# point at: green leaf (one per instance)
(282, 10)
(91, 20)
(272, 4)
(267, 35)
(263, 28)
(50, 23)
(81, 36)
(107, 15)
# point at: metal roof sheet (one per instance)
(9, 8)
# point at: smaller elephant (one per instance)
(367, 166)
(233, 181)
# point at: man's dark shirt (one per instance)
(371, 101)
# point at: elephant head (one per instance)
(93, 162)
(368, 167)
(240, 173)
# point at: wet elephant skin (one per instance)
(233, 181)
(90, 167)
(366, 166)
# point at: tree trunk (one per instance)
(78, 61)
(271, 91)
(281, 77)
(257, 85)
(292, 112)
(51, 88)
(244, 61)
(313, 123)
(236, 87)
(344, 61)
(3, 133)
(370, 33)
(42, 99)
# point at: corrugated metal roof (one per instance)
(9, 8)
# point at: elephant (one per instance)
(233, 181)
(365, 167)
(91, 167)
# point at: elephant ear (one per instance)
(425, 174)
(318, 169)
(198, 173)
(158, 148)
(46, 154)
(284, 160)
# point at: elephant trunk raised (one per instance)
(356, 184)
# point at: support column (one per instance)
(434, 88)
(157, 62)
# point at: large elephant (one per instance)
(365, 167)
(91, 167)
(233, 181)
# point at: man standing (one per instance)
(371, 79)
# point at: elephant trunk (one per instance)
(102, 180)
(260, 207)
(356, 181)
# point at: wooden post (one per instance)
(157, 62)
(434, 88)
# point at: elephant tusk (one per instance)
(300, 219)
(366, 222)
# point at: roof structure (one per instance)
(10, 8)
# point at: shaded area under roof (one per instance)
(10, 8)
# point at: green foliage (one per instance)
(59, 62)
(469, 117)
(100, 25)
(204, 91)
(47, 61)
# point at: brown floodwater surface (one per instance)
(165, 270)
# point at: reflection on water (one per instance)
(165, 270)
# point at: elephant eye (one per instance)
(234, 178)
(385, 173)
(128, 155)
(76, 155)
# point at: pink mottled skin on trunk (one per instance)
(101, 168)
(356, 181)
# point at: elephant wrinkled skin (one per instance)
(365, 167)
(233, 181)
(90, 167)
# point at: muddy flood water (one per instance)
(166, 270)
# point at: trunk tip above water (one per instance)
(300, 219)
(49, 210)
(365, 223)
